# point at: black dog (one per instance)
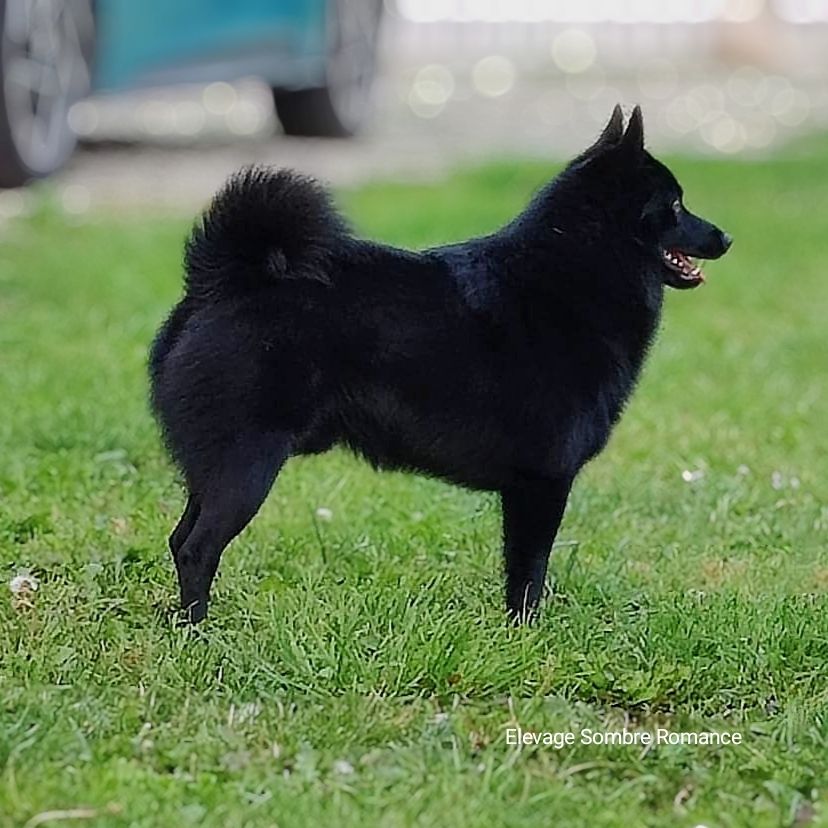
(501, 363)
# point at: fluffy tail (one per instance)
(263, 225)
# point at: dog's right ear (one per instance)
(610, 137)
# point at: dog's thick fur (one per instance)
(500, 363)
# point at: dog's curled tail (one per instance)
(264, 224)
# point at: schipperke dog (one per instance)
(500, 363)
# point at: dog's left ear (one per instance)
(633, 140)
(613, 130)
(609, 139)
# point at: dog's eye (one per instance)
(676, 205)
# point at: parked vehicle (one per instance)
(318, 57)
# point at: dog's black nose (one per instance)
(727, 240)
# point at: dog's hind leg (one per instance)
(184, 525)
(532, 513)
(226, 502)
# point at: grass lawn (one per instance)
(357, 670)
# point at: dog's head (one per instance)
(645, 195)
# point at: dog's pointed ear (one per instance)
(633, 139)
(610, 137)
(612, 133)
(614, 129)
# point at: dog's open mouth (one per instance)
(689, 272)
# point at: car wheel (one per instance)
(45, 55)
(340, 107)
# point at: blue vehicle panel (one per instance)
(317, 56)
(170, 41)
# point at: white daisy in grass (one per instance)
(23, 587)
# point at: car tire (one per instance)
(45, 67)
(340, 107)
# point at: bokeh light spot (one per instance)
(433, 84)
(245, 118)
(219, 98)
(724, 133)
(83, 118)
(189, 118)
(12, 203)
(573, 50)
(157, 117)
(75, 199)
(790, 107)
(493, 76)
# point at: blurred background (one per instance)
(154, 103)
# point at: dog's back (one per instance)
(290, 325)
(424, 361)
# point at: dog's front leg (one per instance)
(532, 512)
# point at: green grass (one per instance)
(377, 638)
